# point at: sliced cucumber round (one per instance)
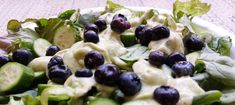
(65, 37)
(39, 78)
(15, 78)
(102, 101)
(128, 39)
(40, 46)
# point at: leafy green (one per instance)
(86, 19)
(220, 68)
(190, 8)
(13, 25)
(135, 53)
(66, 14)
(221, 45)
(111, 6)
(47, 27)
(24, 39)
(208, 98)
(228, 97)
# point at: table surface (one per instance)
(222, 12)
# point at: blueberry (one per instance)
(120, 25)
(145, 36)
(92, 27)
(118, 96)
(22, 56)
(129, 83)
(101, 24)
(84, 72)
(192, 43)
(183, 68)
(119, 16)
(93, 59)
(59, 73)
(138, 30)
(55, 60)
(166, 95)
(91, 36)
(107, 74)
(175, 57)
(157, 58)
(52, 50)
(4, 59)
(160, 32)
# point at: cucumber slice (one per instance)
(41, 87)
(128, 39)
(135, 53)
(102, 101)
(65, 37)
(40, 46)
(15, 78)
(39, 78)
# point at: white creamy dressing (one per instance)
(111, 48)
(153, 77)
(80, 85)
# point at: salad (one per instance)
(118, 56)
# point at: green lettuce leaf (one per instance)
(220, 68)
(66, 14)
(47, 27)
(24, 39)
(13, 25)
(228, 97)
(221, 45)
(190, 8)
(207, 98)
(111, 6)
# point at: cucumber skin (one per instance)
(25, 82)
(129, 39)
(39, 79)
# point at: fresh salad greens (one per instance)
(118, 56)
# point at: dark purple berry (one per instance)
(119, 16)
(107, 74)
(93, 59)
(92, 27)
(55, 60)
(4, 59)
(193, 43)
(166, 95)
(52, 50)
(84, 72)
(183, 68)
(138, 30)
(91, 36)
(145, 36)
(101, 24)
(22, 56)
(59, 73)
(160, 32)
(129, 83)
(175, 57)
(157, 58)
(120, 25)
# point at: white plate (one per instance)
(202, 23)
